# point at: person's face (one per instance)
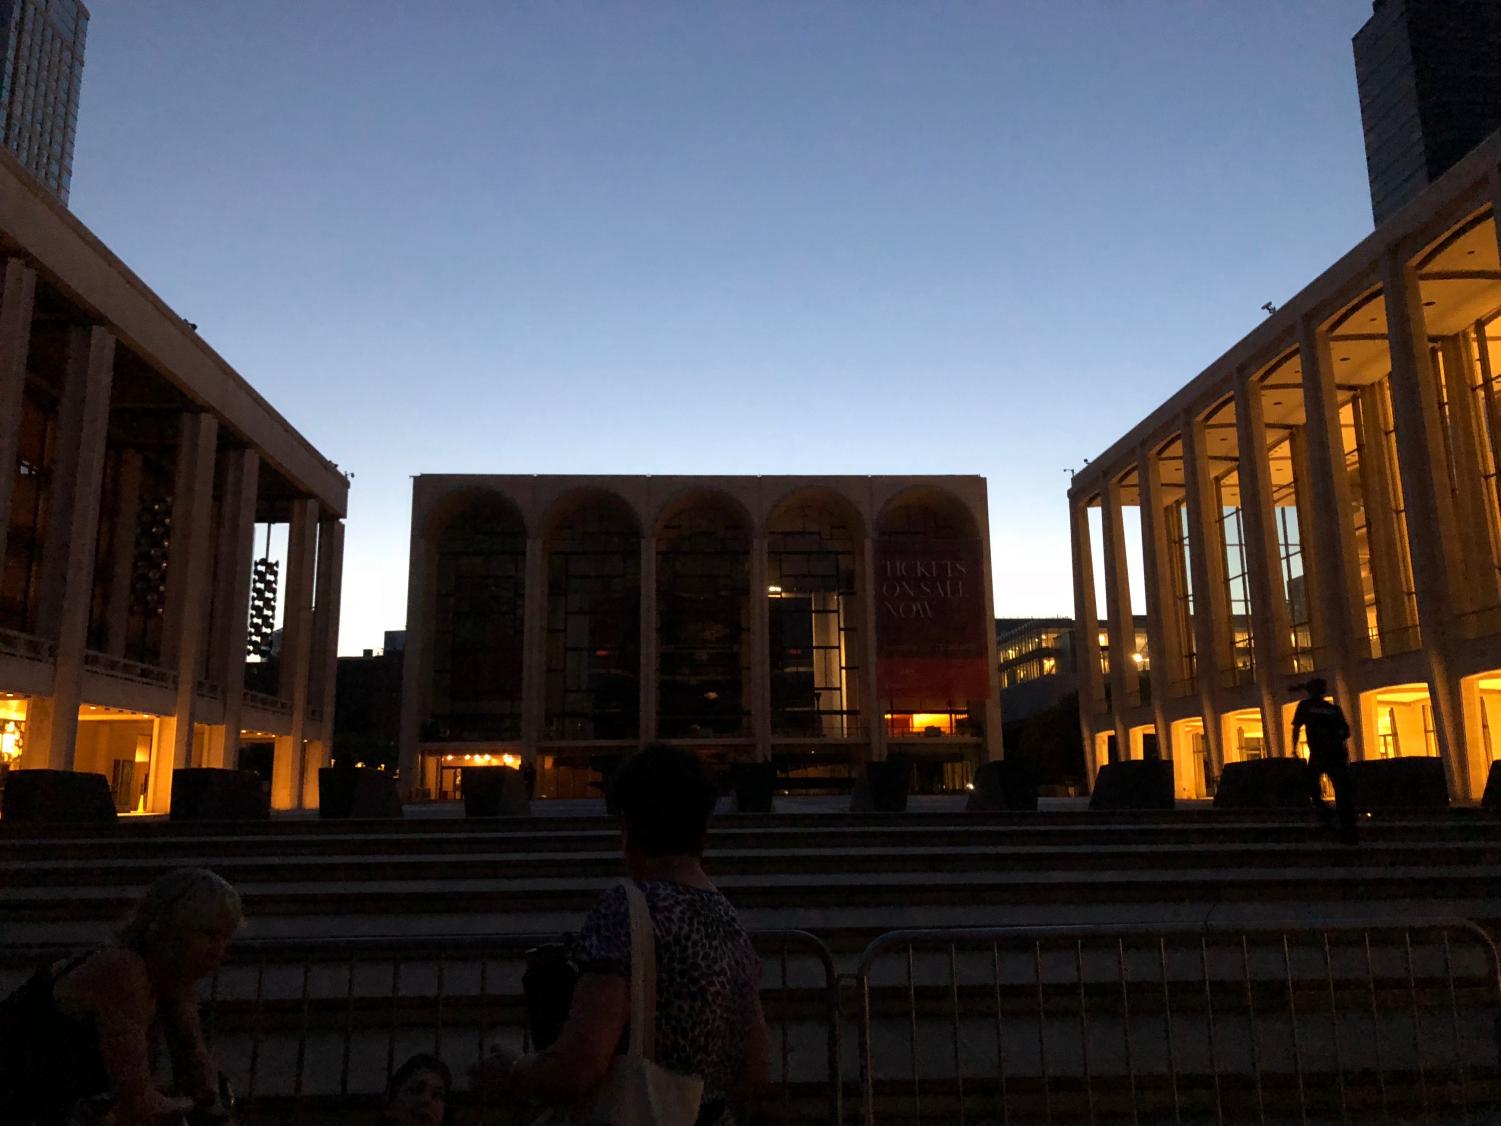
(200, 948)
(419, 1101)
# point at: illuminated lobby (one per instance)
(558, 622)
(1322, 500)
(144, 480)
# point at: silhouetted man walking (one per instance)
(1327, 731)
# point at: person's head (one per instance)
(417, 1093)
(665, 796)
(1315, 688)
(184, 923)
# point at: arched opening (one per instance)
(703, 627)
(814, 633)
(932, 667)
(593, 621)
(480, 592)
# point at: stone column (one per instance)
(1120, 622)
(296, 639)
(416, 659)
(1206, 560)
(325, 663)
(760, 642)
(1269, 618)
(533, 648)
(52, 721)
(873, 709)
(236, 550)
(1431, 524)
(1162, 642)
(185, 614)
(1086, 632)
(122, 553)
(1336, 575)
(1481, 589)
(650, 648)
(17, 293)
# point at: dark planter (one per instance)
(209, 794)
(494, 791)
(1491, 799)
(345, 793)
(1268, 783)
(1008, 786)
(755, 782)
(1400, 783)
(56, 797)
(1134, 784)
(884, 787)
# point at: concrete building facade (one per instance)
(136, 470)
(1321, 500)
(819, 622)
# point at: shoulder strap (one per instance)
(643, 974)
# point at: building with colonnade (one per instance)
(1322, 500)
(138, 472)
(819, 622)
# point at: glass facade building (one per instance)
(41, 73)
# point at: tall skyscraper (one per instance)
(1430, 91)
(40, 77)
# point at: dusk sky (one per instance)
(771, 237)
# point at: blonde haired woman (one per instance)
(82, 1033)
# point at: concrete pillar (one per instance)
(231, 602)
(1339, 615)
(1086, 632)
(287, 771)
(650, 644)
(533, 647)
(994, 748)
(325, 664)
(416, 660)
(186, 612)
(1481, 588)
(1431, 523)
(1120, 622)
(17, 294)
(52, 722)
(1207, 564)
(873, 708)
(760, 643)
(1269, 619)
(122, 553)
(1162, 641)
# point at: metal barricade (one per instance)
(309, 1029)
(1145, 1023)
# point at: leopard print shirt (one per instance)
(707, 973)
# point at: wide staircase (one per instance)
(1186, 966)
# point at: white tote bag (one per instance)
(635, 1091)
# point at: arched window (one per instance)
(594, 622)
(814, 621)
(477, 624)
(703, 584)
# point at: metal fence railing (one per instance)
(307, 1030)
(1131, 1023)
(1150, 1024)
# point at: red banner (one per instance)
(930, 622)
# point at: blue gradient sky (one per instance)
(772, 237)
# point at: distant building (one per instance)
(817, 622)
(1430, 91)
(1036, 662)
(41, 73)
(367, 708)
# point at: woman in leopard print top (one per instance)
(709, 1021)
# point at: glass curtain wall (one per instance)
(814, 613)
(477, 636)
(594, 623)
(1242, 667)
(703, 588)
(1181, 574)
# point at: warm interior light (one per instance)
(11, 741)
